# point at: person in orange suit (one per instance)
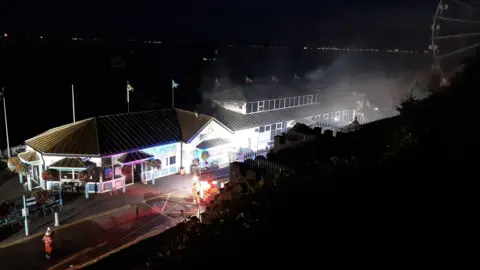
(196, 197)
(48, 240)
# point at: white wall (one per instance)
(248, 138)
(243, 137)
(164, 152)
(212, 131)
(239, 107)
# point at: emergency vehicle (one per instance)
(207, 188)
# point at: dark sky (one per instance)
(253, 20)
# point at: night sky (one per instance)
(303, 21)
(43, 70)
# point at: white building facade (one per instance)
(256, 123)
(120, 150)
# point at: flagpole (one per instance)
(6, 123)
(128, 99)
(173, 95)
(73, 103)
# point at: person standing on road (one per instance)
(195, 193)
(48, 240)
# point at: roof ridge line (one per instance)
(147, 111)
(59, 128)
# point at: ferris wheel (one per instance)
(455, 35)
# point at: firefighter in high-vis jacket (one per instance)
(195, 192)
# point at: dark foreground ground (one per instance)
(292, 232)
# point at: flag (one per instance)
(274, 79)
(248, 80)
(174, 84)
(129, 87)
(217, 83)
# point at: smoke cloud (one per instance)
(385, 78)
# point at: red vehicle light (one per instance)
(205, 185)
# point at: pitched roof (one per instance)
(134, 156)
(132, 131)
(79, 137)
(119, 133)
(212, 143)
(238, 121)
(68, 163)
(191, 123)
(29, 156)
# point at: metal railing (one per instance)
(215, 174)
(15, 216)
(253, 155)
(269, 166)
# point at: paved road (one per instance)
(82, 242)
(81, 208)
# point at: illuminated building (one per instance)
(109, 146)
(256, 113)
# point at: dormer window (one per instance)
(260, 106)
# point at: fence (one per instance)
(253, 155)
(215, 174)
(34, 208)
(269, 166)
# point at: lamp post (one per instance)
(2, 94)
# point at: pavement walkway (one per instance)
(84, 241)
(81, 208)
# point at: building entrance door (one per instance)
(137, 172)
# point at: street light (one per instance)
(2, 95)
